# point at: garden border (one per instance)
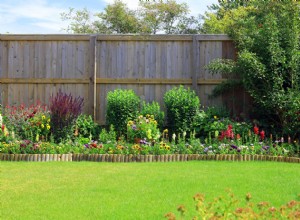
(121, 158)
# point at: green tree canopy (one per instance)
(268, 62)
(151, 17)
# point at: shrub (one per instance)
(108, 136)
(268, 61)
(122, 106)
(86, 127)
(153, 108)
(182, 106)
(64, 110)
(32, 123)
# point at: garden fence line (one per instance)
(143, 158)
(33, 67)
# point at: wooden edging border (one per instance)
(121, 158)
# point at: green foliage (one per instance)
(182, 106)
(153, 108)
(31, 123)
(228, 207)
(122, 106)
(143, 128)
(162, 15)
(118, 18)
(80, 21)
(108, 137)
(152, 17)
(268, 61)
(221, 21)
(86, 127)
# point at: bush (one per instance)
(31, 123)
(153, 108)
(64, 110)
(108, 137)
(182, 106)
(122, 106)
(86, 127)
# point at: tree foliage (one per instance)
(268, 62)
(151, 17)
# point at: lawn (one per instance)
(87, 190)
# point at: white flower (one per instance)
(174, 136)
(0, 120)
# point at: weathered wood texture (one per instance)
(33, 67)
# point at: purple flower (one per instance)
(86, 145)
(265, 148)
(206, 150)
(143, 141)
(234, 147)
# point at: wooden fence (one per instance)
(32, 67)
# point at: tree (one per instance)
(152, 17)
(118, 18)
(268, 61)
(220, 16)
(162, 16)
(80, 21)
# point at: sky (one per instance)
(43, 16)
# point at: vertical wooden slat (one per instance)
(195, 53)
(93, 72)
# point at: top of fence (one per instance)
(113, 37)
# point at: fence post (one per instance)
(92, 76)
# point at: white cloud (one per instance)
(43, 16)
(35, 13)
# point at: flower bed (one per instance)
(142, 158)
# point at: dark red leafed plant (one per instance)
(64, 110)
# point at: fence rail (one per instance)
(32, 67)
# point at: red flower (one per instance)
(227, 134)
(262, 135)
(238, 136)
(3, 127)
(256, 130)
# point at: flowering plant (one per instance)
(143, 128)
(28, 122)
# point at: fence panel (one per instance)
(33, 67)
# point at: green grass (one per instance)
(62, 190)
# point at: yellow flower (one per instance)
(166, 131)
(48, 120)
(42, 125)
(43, 117)
(215, 117)
(48, 127)
(130, 123)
